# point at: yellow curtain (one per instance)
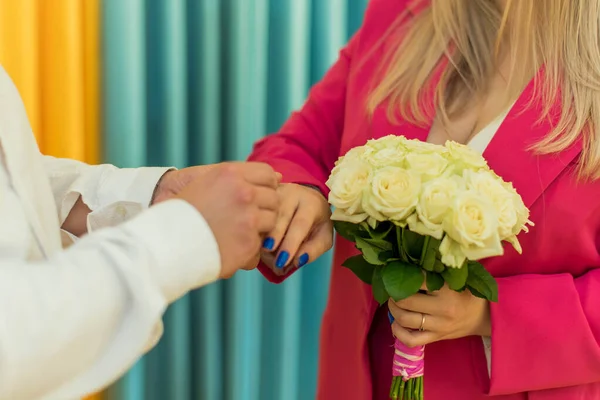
(51, 51)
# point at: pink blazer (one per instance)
(546, 325)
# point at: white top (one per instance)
(72, 321)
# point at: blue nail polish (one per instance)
(303, 260)
(282, 259)
(390, 317)
(269, 243)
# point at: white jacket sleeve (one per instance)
(99, 185)
(74, 323)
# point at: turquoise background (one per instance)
(199, 81)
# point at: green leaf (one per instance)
(475, 293)
(380, 232)
(361, 268)
(402, 280)
(439, 266)
(482, 282)
(434, 281)
(379, 292)
(412, 244)
(456, 278)
(371, 249)
(347, 230)
(387, 256)
(429, 254)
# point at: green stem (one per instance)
(424, 249)
(399, 243)
(417, 384)
(394, 389)
(402, 386)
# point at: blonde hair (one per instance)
(563, 36)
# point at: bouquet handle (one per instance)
(408, 368)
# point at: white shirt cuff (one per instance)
(113, 185)
(186, 253)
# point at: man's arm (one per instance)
(80, 189)
(74, 323)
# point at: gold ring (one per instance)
(422, 328)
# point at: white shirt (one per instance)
(72, 321)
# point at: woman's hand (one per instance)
(303, 231)
(441, 315)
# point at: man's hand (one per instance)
(168, 187)
(239, 201)
(173, 181)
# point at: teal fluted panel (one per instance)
(245, 48)
(204, 75)
(199, 81)
(289, 41)
(124, 117)
(356, 10)
(124, 89)
(169, 365)
(329, 34)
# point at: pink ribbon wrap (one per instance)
(408, 362)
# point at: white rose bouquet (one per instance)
(422, 214)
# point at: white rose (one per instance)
(347, 186)
(360, 152)
(521, 210)
(522, 217)
(488, 184)
(430, 165)
(393, 194)
(434, 202)
(355, 153)
(464, 157)
(452, 254)
(472, 222)
(418, 146)
(342, 215)
(387, 157)
(387, 142)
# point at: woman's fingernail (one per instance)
(390, 317)
(303, 260)
(282, 259)
(269, 243)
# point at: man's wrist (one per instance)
(162, 191)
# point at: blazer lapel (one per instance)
(509, 154)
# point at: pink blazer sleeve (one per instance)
(545, 332)
(307, 146)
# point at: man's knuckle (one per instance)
(245, 194)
